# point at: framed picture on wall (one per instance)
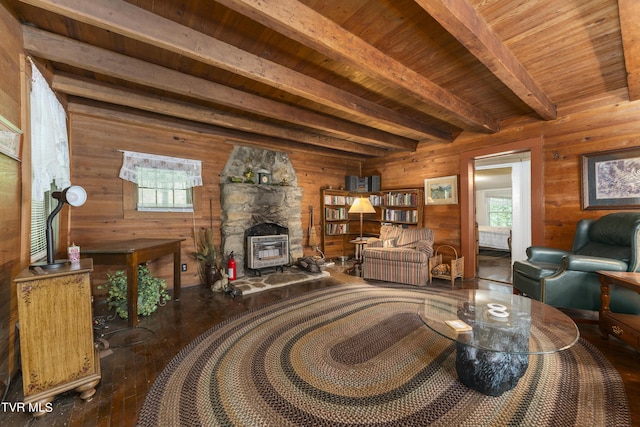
(611, 179)
(441, 191)
(10, 138)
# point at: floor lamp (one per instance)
(362, 206)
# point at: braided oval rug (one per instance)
(359, 354)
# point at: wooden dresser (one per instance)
(56, 334)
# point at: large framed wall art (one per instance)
(611, 179)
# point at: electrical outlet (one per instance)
(184, 267)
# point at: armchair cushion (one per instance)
(397, 255)
(614, 229)
(411, 236)
(592, 263)
(389, 243)
(606, 250)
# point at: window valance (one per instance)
(134, 163)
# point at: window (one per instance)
(40, 210)
(162, 184)
(499, 211)
(156, 191)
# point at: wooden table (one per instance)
(132, 253)
(624, 326)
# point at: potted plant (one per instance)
(208, 256)
(152, 292)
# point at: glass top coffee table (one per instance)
(495, 333)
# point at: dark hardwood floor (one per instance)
(138, 356)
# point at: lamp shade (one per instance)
(362, 205)
(75, 195)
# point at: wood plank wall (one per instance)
(98, 134)
(10, 192)
(603, 124)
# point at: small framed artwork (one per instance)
(10, 138)
(611, 179)
(441, 191)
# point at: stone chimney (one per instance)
(247, 204)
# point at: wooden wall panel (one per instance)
(10, 191)
(9, 259)
(607, 127)
(96, 139)
(10, 50)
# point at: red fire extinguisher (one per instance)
(231, 267)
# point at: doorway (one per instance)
(468, 160)
(503, 212)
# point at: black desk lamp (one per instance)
(74, 196)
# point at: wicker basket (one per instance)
(450, 271)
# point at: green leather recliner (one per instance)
(568, 278)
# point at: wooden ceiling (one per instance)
(355, 77)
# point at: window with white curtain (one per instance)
(49, 157)
(162, 183)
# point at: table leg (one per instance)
(176, 273)
(132, 290)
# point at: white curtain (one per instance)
(191, 175)
(49, 142)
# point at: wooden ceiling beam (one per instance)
(91, 89)
(462, 20)
(629, 11)
(116, 113)
(128, 20)
(303, 24)
(81, 55)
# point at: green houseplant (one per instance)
(208, 256)
(152, 292)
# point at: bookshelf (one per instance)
(403, 207)
(397, 206)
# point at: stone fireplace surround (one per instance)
(245, 205)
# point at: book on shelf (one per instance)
(335, 200)
(395, 215)
(339, 228)
(330, 199)
(401, 199)
(333, 214)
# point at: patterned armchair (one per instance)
(568, 278)
(399, 255)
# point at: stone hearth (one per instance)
(245, 205)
